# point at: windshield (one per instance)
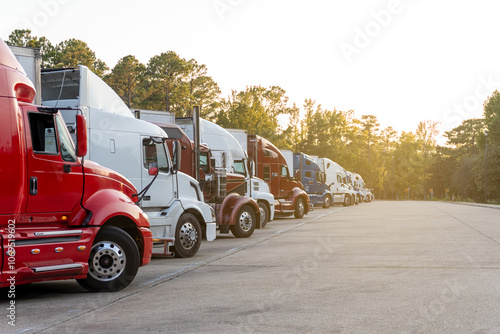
(204, 162)
(239, 167)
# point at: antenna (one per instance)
(60, 91)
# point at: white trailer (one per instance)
(173, 200)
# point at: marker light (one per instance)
(35, 251)
(25, 93)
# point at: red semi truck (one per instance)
(60, 217)
(271, 166)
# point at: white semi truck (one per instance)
(366, 193)
(334, 175)
(172, 200)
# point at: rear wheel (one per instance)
(264, 214)
(113, 262)
(187, 236)
(300, 208)
(245, 223)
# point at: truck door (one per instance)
(161, 193)
(55, 179)
(284, 188)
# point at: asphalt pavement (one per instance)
(381, 267)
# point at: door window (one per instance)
(154, 153)
(284, 171)
(43, 133)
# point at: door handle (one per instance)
(33, 185)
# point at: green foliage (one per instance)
(173, 84)
(69, 53)
(256, 110)
(125, 78)
(22, 37)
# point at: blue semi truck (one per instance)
(307, 171)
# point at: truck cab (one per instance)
(351, 184)
(173, 200)
(223, 191)
(271, 166)
(61, 215)
(226, 149)
(334, 180)
(307, 171)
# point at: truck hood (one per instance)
(109, 178)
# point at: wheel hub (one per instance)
(188, 236)
(245, 221)
(107, 261)
(301, 207)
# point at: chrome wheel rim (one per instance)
(107, 261)
(245, 221)
(262, 215)
(188, 236)
(301, 207)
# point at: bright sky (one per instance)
(404, 61)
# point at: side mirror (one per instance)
(176, 149)
(153, 169)
(81, 136)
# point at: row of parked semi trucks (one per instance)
(89, 186)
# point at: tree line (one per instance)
(395, 165)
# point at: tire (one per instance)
(327, 202)
(264, 214)
(187, 236)
(300, 208)
(113, 261)
(353, 200)
(347, 200)
(245, 223)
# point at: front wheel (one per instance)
(245, 223)
(327, 202)
(300, 208)
(347, 200)
(113, 262)
(264, 214)
(187, 236)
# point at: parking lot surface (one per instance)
(381, 267)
